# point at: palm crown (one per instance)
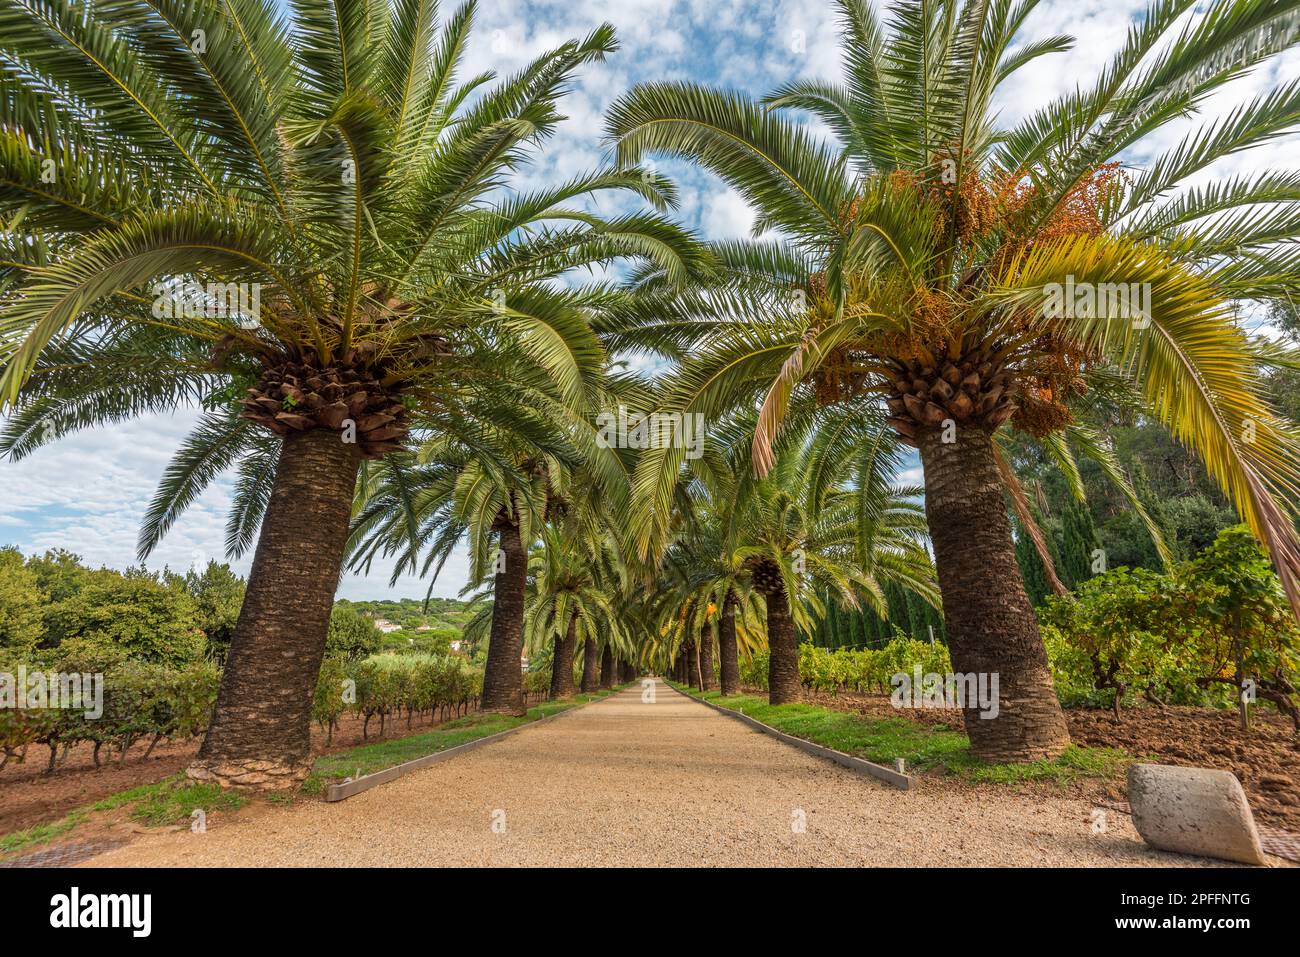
(332, 160)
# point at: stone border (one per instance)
(341, 792)
(901, 781)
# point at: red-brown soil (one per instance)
(28, 796)
(1266, 759)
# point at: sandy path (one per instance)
(621, 782)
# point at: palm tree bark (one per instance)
(990, 622)
(783, 649)
(260, 735)
(692, 665)
(730, 663)
(706, 658)
(503, 677)
(607, 667)
(562, 663)
(590, 665)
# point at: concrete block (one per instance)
(1193, 811)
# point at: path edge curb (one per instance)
(901, 781)
(341, 792)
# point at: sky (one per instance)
(88, 492)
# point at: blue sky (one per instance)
(88, 493)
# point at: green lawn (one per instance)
(169, 801)
(923, 747)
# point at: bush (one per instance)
(351, 635)
(869, 669)
(140, 699)
(387, 685)
(1191, 635)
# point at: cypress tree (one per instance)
(1031, 568)
(1079, 540)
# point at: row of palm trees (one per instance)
(426, 367)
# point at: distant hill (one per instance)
(410, 613)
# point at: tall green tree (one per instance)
(22, 623)
(218, 595)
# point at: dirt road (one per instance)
(625, 782)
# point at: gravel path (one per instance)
(621, 782)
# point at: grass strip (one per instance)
(923, 747)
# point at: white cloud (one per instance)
(727, 215)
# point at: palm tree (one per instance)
(493, 479)
(941, 263)
(796, 534)
(574, 599)
(327, 165)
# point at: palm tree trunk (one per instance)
(692, 665)
(260, 735)
(607, 667)
(730, 663)
(706, 658)
(503, 678)
(562, 663)
(590, 665)
(783, 649)
(991, 625)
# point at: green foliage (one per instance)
(537, 681)
(863, 669)
(1078, 542)
(129, 615)
(1110, 635)
(388, 685)
(1246, 630)
(869, 669)
(1032, 571)
(140, 699)
(1217, 620)
(329, 701)
(21, 619)
(351, 634)
(218, 595)
(53, 604)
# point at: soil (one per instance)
(1266, 759)
(29, 796)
